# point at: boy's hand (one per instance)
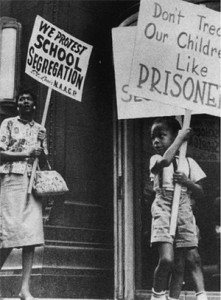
(185, 134)
(181, 178)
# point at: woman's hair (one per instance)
(170, 122)
(26, 91)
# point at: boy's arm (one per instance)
(195, 187)
(194, 182)
(169, 154)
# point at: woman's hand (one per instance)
(35, 152)
(181, 178)
(41, 135)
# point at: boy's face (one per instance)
(161, 137)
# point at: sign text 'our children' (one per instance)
(180, 65)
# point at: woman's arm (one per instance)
(10, 156)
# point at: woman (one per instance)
(21, 141)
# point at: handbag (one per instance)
(49, 183)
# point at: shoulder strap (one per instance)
(189, 166)
(161, 179)
(161, 173)
(174, 164)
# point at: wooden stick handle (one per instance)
(177, 189)
(35, 164)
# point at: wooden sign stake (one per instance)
(177, 190)
(35, 164)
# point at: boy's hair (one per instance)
(26, 91)
(171, 122)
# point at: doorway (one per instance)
(135, 260)
(204, 148)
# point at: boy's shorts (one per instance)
(186, 233)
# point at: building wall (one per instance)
(77, 260)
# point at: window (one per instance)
(10, 32)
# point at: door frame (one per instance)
(124, 208)
(124, 254)
(124, 240)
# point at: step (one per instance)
(88, 190)
(64, 272)
(62, 256)
(81, 215)
(185, 295)
(14, 260)
(61, 286)
(78, 235)
(53, 299)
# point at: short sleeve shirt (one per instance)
(190, 168)
(17, 135)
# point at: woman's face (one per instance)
(25, 104)
(161, 137)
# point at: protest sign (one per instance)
(57, 59)
(177, 55)
(129, 106)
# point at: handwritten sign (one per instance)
(177, 55)
(129, 106)
(57, 60)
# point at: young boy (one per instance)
(166, 140)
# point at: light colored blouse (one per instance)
(17, 135)
(190, 168)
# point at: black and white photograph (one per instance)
(110, 149)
